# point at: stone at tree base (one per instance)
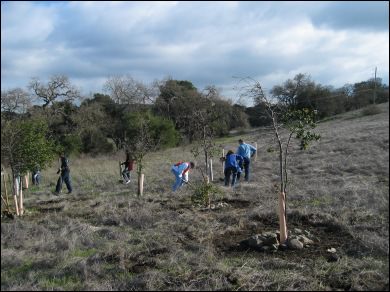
(294, 244)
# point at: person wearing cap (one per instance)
(246, 151)
(181, 170)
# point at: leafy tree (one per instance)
(365, 92)
(239, 118)
(176, 101)
(293, 93)
(24, 144)
(146, 133)
(94, 126)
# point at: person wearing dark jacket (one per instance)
(65, 175)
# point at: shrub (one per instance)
(371, 110)
(204, 193)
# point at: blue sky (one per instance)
(208, 43)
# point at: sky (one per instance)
(208, 43)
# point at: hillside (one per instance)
(104, 237)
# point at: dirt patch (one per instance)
(237, 203)
(327, 235)
(51, 209)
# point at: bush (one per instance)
(71, 144)
(371, 110)
(96, 143)
(204, 193)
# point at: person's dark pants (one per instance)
(247, 162)
(230, 171)
(65, 177)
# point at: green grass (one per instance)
(68, 283)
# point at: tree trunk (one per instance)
(5, 189)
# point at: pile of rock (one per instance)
(269, 241)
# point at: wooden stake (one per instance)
(26, 180)
(223, 162)
(17, 185)
(211, 170)
(16, 189)
(140, 184)
(21, 197)
(256, 151)
(282, 218)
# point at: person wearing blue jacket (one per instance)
(232, 167)
(246, 151)
(180, 170)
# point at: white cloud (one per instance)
(204, 42)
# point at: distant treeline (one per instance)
(302, 92)
(106, 122)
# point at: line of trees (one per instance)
(301, 92)
(110, 121)
(173, 109)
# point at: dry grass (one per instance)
(104, 237)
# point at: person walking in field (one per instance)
(65, 175)
(129, 165)
(247, 151)
(233, 165)
(181, 170)
(36, 175)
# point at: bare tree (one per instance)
(15, 101)
(202, 118)
(58, 88)
(126, 90)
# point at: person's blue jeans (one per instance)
(230, 171)
(36, 178)
(65, 177)
(247, 162)
(178, 182)
(126, 175)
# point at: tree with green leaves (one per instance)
(146, 133)
(25, 145)
(287, 122)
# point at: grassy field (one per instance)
(104, 237)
